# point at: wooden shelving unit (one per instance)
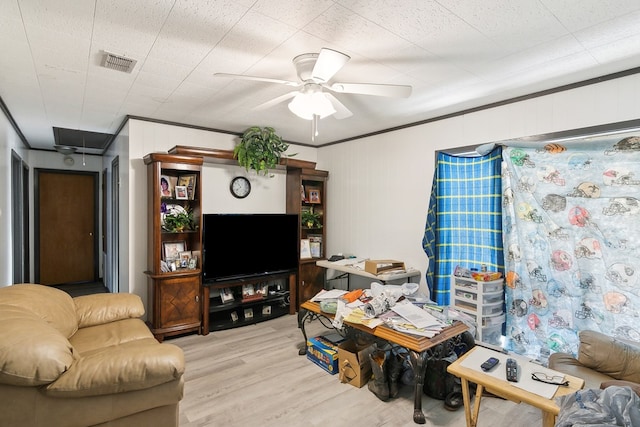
(174, 294)
(307, 190)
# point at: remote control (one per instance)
(512, 370)
(489, 364)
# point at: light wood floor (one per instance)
(253, 376)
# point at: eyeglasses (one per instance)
(544, 378)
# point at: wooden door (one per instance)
(66, 227)
(310, 281)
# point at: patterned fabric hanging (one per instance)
(464, 220)
(572, 242)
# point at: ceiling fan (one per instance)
(314, 100)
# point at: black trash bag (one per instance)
(438, 383)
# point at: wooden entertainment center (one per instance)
(179, 301)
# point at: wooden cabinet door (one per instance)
(179, 299)
(310, 281)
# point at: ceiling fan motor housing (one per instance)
(304, 66)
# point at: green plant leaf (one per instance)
(260, 149)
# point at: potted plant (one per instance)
(179, 221)
(260, 149)
(310, 219)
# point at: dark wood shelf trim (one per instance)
(214, 155)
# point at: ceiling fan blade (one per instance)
(276, 100)
(259, 79)
(393, 91)
(328, 63)
(342, 112)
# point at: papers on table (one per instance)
(403, 317)
(324, 295)
(416, 315)
(355, 262)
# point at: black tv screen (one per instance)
(237, 246)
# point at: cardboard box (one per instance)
(323, 351)
(378, 266)
(355, 365)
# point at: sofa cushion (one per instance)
(610, 356)
(52, 305)
(97, 309)
(32, 351)
(135, 365)
(95, 338)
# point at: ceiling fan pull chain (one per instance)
(314, 127)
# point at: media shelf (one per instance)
(236, 303)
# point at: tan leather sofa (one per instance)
(602, 361)
(83, 361)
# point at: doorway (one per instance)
(66, 227)
(20, 218)
(115, 225)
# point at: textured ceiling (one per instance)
(456, 54)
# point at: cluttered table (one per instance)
(418, 346)
(356, 266)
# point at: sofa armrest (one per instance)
(135, 365)
(610, 356)
(98, 309)
(567, 364)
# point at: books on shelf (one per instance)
(315, 245)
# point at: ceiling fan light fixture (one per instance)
(65, 149)
(306, 105)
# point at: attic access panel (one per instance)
(81, 138)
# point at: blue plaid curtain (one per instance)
(464, 221)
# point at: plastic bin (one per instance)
(486, 287)
(496, 320)
(490, 334)
(487, 309)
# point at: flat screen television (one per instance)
(238, 246)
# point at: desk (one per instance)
(504, 389)
(410, 275)
(417, 346)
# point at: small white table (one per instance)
(467, 368)
(411, 275)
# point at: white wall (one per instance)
(378, 188)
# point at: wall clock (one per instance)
(240, 187)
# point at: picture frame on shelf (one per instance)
(234, 316)
(262, 289)
(189, 181)
(166, 189)
(171, 250)
(314, 195)
(184, 258)
(303, 195)
(193, 263)
(248, 291)
(248, 313)
(305, 248)
(266, 310)
(226, 295)
(181, 192)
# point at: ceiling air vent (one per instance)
(118, 63)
